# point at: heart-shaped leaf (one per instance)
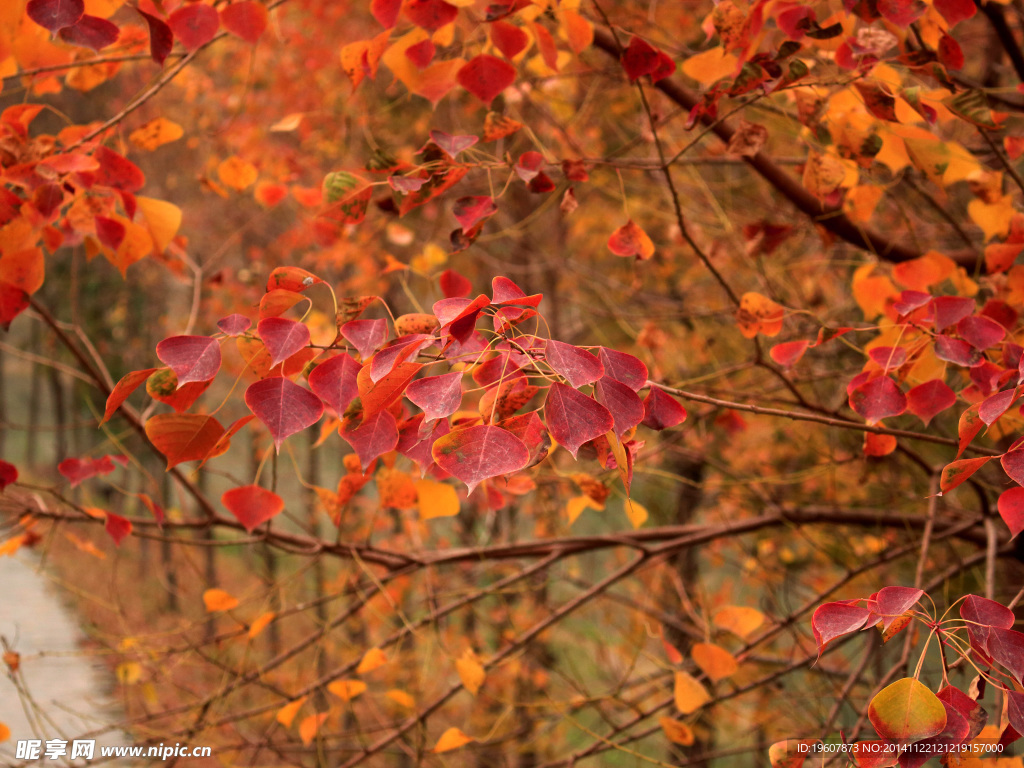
(183, 436)
(335, 381)
(283, 406)
(578, 366)
(907, 711)
(282, 337)
(192, 358)
(375, 436)
(438, 396)
(475, 454)
(574, 418)
(252, 505)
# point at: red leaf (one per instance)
(789, 353)
(365, 335)
(397, 353)
(438, 396)
(578, 366)
(110, 232)
(955, 11)
(79, 470)
(421, 54)
(161, 39)
(234, 325)
(950, 54)
(292, 279)
(117, 171)
(878, 399)
(285, 407)
(888, 358)
(252, 505)
(1013, 465)
(902, 13)
(930, 399)
(630, 240)
(980, 332)
(454, 285)
(956, 472)
(833, 620)
(478, 453)
(458, 319)
(622, 402)
(183, 436)
(662, 411)
(54, 15)
(622, 367)
(486, 76)
(282, 337)
(192, 358)
(430, 14)
(376, 397)
(970, 424)
(504, 291)
(947, 310)
(893, 602)
(529, 165)
(128, 384)
(639, 59)
(982, 616)
(194, 25)
(956, 351)
(13, 302)
(8, 474)
(996, 405)
(574, 418)
(453, 145)
(91, 32)
(508, 38)
(334, 381)
(1006, 646)
(530, 429)
(118, 527)
(1011, 509)
(375, 436)
(245, 19)
(386, 12)
(470, 211)
(911, 300)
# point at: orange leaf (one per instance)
(630, 240)
(716, 662)
(371, 660)
(260, 623)
(738, 619)
(471, 671)
(451, 739)
(155, 134)
(759, 314)
(689, 694)
(676, 732)
(286, 714)
(23, 269)
(346, 690)
(217, 600)
(310, 725)
(237, 173)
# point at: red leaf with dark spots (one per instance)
(928, 400)
(282, 337)
(252, 505)
(662, 411)
(478, 453)
(194, 25)
(283, 406)
(970, 424)
(430, 14)
(486, 76)
(878, 399)
(573, 418)
(375, 436)
(54, 15)
(956, 351)
(91, 32)
(957, 472)
(192, 358)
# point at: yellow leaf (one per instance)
(710, 66)
(993, 218)
(738, 619)
(163, 219)
(401, 698)
(217, 600)
(861, 201)
(636, 513)
(260, 623)
(824, 173)
(471, 671)
(5, 732)
(436, 499)
(396, 488)
(287, 123)
(371, 660)
(286, 714)
(309, 726)
(923, 272)
(716, 662)
(576, 506)
(690, 695)
(346, 690)
(236, 173)
(128, 673)
(676, 732)
(871, 292)
(155, 134)
(433, 256)
(451, 739)
(137, 244)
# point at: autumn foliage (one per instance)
(587, 377)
